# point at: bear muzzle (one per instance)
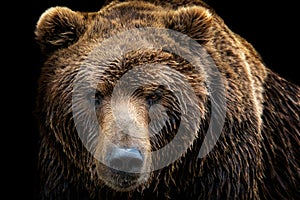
(125, 160)
(126, 168)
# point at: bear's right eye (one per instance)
(96, 99)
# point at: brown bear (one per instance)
(160, 99)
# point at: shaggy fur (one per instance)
(257, 154)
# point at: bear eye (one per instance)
(96, 99)
(154, 98)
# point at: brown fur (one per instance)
(257, 155)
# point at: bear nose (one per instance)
(125, 160)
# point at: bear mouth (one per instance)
(120, 180)
(126, 181)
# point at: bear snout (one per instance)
(128, 160)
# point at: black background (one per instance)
(271, 26)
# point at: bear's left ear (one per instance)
(194, 21)
(59, 27)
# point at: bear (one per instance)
(160, 99)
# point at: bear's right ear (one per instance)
(59, 27)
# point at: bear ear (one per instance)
(59, 27)
(194, 21)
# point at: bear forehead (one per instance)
(136, 8)
(127, 15)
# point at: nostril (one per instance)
(116, 163)
(135, 163)
(125, 160)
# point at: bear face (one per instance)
(123, 117)
(159, 99)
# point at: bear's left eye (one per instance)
(154, 98)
